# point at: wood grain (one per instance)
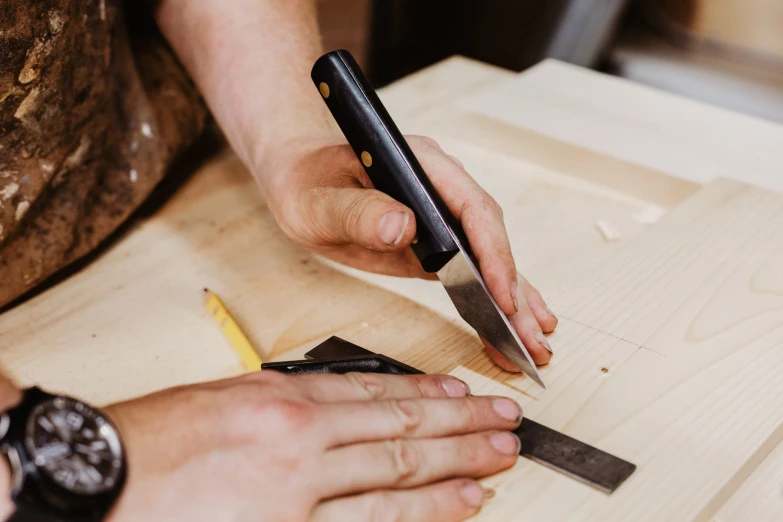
(667, 354)
(760, 497)
(693, 322)
(660, 131)
(133, 322)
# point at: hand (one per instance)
(323, 199)
(316, 448)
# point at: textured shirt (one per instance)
(94, 108)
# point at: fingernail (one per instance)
(549, 311)
(392, 227)
(543, 340)
(508, 409)
(514, 296)
(457, 161)
(473, 494)
(506, 443)
(456, 388)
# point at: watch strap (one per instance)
(28, 507)
(32, 514)
(27, 513)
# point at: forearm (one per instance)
(251, 60)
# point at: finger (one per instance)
(457, 161)
(526, 326)
(481, 219)
(545, 317)
(449, 501)
(352, 422)
(500, 359)
(357, 386)
(407, 463)
(364, 217)
(530, 323)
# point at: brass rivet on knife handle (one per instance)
(324, 89)
(366, 159)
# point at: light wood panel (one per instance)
(551, 218)
(657, 353)
(619, 119)
(434, 88)
(760, 498)
(692, 314)
(134, 322)
(667, 352)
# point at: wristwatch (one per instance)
(66, 458)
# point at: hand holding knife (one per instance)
(441, 245)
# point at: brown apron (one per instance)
(94, 108)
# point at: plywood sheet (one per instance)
(691, 314)
(668, 352)
(617, 118)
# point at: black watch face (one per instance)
(74, 445)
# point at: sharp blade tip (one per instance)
(537, 378)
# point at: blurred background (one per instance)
(725, 52)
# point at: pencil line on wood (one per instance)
(611, 335)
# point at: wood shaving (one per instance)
(608, 230)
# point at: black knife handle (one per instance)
(386, 156)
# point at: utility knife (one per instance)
(440, 245)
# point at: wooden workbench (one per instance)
(670, 342)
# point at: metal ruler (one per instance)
(540, 444)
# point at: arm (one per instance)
(237, 449)
(251, 60)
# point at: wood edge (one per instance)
(436, 67)
(628, 178)
(733, 485)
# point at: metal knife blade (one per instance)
(442, 246)
(474, 302)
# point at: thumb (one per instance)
(364, 217)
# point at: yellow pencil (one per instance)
(231, 330)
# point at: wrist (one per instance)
(273, 162)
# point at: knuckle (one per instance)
(273, 379)
(406, 459)
(479, 207)
(468, 451)
(489, 203)
(410, 415)
(426, 140)
(282, 416)
(353, 214)
(467, 414)
(299, 215)
(382, 508)
(369, 386)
